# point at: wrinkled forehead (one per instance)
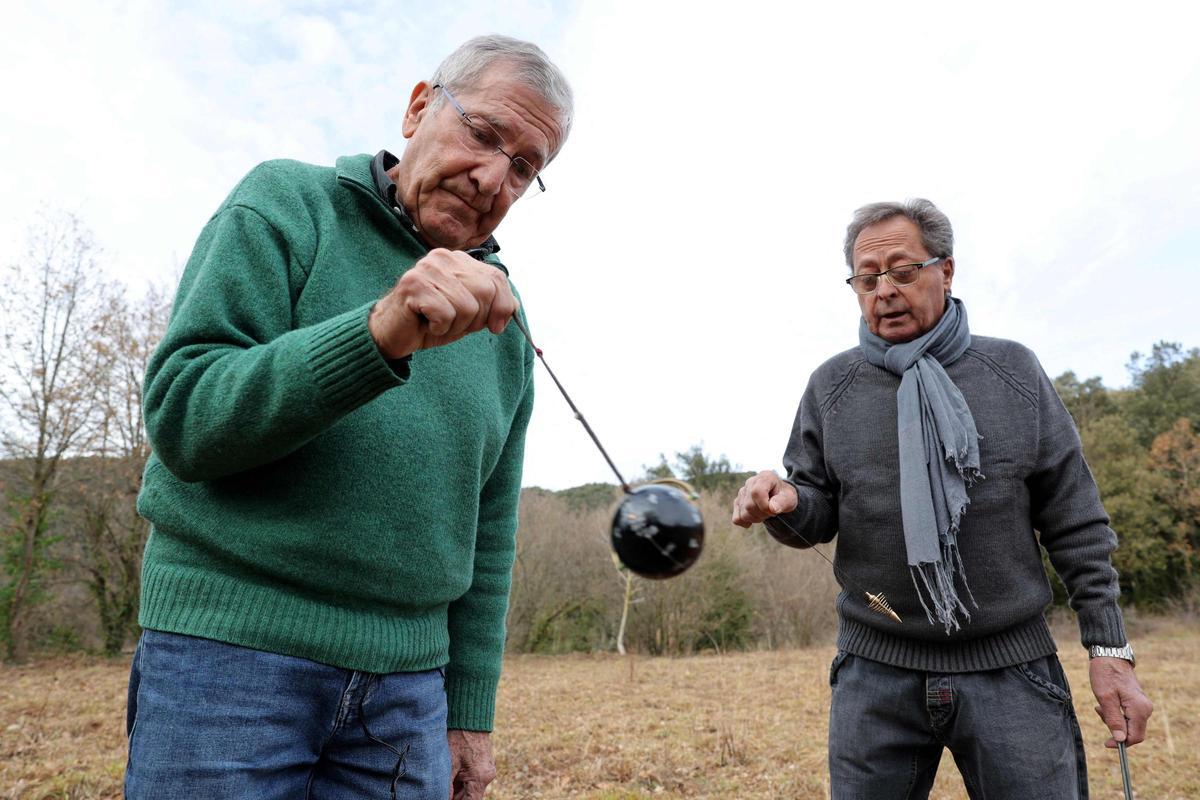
(895, 236)
(516, 110)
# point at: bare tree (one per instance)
(111, 534)
(49, 396)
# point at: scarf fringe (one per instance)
(938, 580)
(970, 475)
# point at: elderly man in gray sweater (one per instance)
(941, 461)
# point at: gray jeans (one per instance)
(1012, 731)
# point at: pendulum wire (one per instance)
(878, 602)
(578, 414)
(479, 254)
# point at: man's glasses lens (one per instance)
(480, 136)
(904, 275)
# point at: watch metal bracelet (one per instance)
(1100, 651)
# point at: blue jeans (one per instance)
(1012, 731)
(213, 720)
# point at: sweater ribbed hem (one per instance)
(237, 611)
(471, 703)
(1103, 625)
(348, 366)
(1023, 642)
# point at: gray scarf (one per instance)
(939, 455)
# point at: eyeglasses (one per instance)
(901, 275)
(479, 136)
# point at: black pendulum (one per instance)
(657, 529)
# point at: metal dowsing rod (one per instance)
(578, 414)
(1125, 782)
(875, 602)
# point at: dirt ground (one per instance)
(744, 725)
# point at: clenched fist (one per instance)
(444, 297)
(763, 496)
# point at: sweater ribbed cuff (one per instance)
(348, 366)
(471, 703)
(1102, 625)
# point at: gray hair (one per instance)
(463, 68)
(936, 233)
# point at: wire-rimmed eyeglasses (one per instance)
(900, 275)
(478, 135)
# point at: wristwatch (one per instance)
(1124, 651)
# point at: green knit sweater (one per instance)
(307, 497)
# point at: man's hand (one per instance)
(445, 296)
(1124, 707)
(763, 496)
(472, 767)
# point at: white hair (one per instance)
(463, 68)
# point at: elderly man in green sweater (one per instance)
(934, 455)
(338, 414)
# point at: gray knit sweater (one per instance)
(843, 460)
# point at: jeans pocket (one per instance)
(1049, 685)
(836, 665)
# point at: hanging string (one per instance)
(480, 254)
(875, 602)
(578, 414)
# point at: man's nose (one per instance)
(886, 288)
(491, 174)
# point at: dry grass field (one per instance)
(745, 725)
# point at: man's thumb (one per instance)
(1114, 719)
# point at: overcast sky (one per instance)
(683, 271)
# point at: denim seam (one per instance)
(135, 669)
(345, 707)
(972, 789)
(1080, 758)
(912, 777)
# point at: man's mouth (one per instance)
(893, 315)
(464, 201)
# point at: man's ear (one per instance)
(418, 105)
(947, 274)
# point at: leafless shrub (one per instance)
(746, 591)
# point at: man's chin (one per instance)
(446, 230)
(898, 333)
